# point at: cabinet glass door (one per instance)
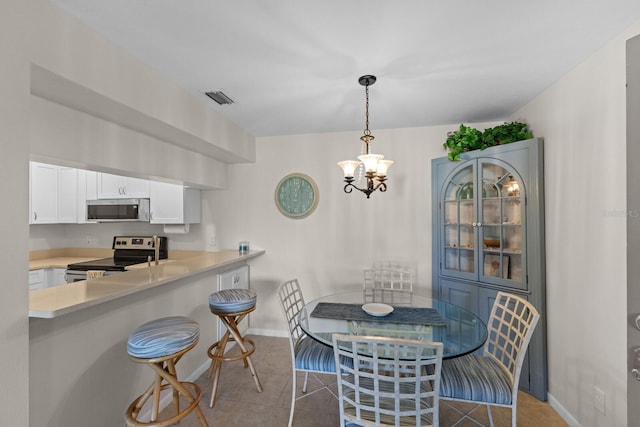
(501, 225)
(459, 224)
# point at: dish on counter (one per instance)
(377, 309)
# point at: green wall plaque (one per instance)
(296, 195)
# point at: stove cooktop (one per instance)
(107, 264)
(128, 250)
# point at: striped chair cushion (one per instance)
(232, 300)
(162, 337)
(475, 378)
(312, 355)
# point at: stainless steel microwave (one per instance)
(118, 210)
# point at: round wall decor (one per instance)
(296, 195)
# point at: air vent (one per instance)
(219, 97)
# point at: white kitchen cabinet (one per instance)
(237, 278)
(174, 204)
(43, 193)
(46, 278)
(67, 195)
(53, 194)
(37, 279)
(121, 187)
(56, 276)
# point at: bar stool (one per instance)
(160, 344)
(231, 306)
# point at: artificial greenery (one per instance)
(468, 138)
(506, 133)
(464, 139)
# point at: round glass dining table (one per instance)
(412, 317)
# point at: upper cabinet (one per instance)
(121, 187)
(488, 236)
(67, 194)
(174, 204)
(43, 180)
(59, 194)
(53, 194)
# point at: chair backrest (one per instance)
(387, 381)
(292, 301)
(510, 327)
(390, 285)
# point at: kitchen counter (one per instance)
(60, 258)
(59, 300)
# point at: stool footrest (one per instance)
(242, 355)
(134, 409)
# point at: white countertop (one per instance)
(63, 299)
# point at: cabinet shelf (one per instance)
(462, 248)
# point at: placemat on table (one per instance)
(408, 315)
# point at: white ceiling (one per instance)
(292, 66)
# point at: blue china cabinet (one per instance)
(488, 236)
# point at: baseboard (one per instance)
(566, 415)
(268, 332)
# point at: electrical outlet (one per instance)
(599, 399)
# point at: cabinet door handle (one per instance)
(35, 216)
(474, 224)
(479, 224)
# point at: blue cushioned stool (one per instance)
(231, 306)
(160, 344)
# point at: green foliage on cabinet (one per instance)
(469, 139)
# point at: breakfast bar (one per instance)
(59, 300)
(78, 333)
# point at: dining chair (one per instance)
(387, 381)
(492, 378)
(388, 285)
(307, 354)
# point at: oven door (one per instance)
(78, 275)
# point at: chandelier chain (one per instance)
(366, 109)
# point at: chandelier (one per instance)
(375, 169)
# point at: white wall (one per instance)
(328, 250)
(582, 120)
(14, 178)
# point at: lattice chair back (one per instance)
(292, 301)
(510, 327)
(388, 285)
(387, 381)
(307, 354)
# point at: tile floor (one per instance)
(240, 405)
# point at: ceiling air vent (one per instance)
(219, 97)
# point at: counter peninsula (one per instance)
(59, 300)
